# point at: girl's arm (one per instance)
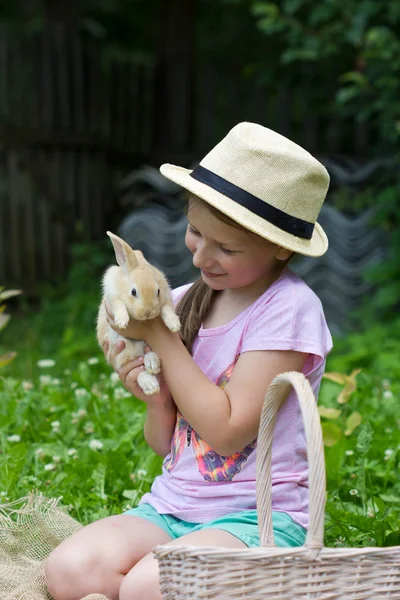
(161, 409)
(159, 427)
(226, 419)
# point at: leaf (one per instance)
(303, 54)
(349, 382)
(393, 539)
(9, 294)
(329, 413)
(130, 494)
(352, 422)
(331, 433)
(354, 77)
(4, 318)
(336, 377)
(5, 359)
(349, 388)
(345, 94)
(390, 498)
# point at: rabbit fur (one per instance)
(134, 290)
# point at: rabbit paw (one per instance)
(148, 383)
(172, 322)
(121, 318)
(152, 363)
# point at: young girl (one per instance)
(253, 202)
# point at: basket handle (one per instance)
(274, 399)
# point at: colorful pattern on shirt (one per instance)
(211, 465)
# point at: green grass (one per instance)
(70, 430)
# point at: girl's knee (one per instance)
(64, 566)
(142, 581)
(71, 571)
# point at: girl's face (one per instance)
(230, 258)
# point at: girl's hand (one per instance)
(129, 373)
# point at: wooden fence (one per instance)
(66, 120)
(70, 125)
(224, 96)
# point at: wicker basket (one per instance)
(307, 572)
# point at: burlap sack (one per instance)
(30, 529)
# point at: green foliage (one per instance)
(69, 427)
(358, 41)
(64, 324)
(362, 461)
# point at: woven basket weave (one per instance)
(307, 572)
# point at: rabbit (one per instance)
(134, 290)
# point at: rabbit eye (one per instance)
(158, 292)
(134, 292)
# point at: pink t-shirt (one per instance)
(197, 484)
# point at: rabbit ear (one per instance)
(124, 254)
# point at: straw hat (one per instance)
(264, 182)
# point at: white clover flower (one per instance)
(132, 477)
(27, 386)
(55, 424)
(389, 430)
(93, 361)
(386, 383)
(354, 492)
(349, 452)
(72, 451)
(39, 452)
(49, 467)
(82, 412)
(388, 453)
(45, 363)
(95, 445)
(74, 421)
(45, 379)
(81, 393)
(74, 384)
(56, 459)
(88, 428)
(371, 514)
(388, 394)
(56, 381)
(119, 393)
(114, 377)
(14, 438)
(53, 409)
(141, 473)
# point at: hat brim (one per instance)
(316, 246)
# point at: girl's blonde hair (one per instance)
(195, 304)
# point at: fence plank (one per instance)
(3, 220)
(14, 234)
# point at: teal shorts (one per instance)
(243, 525)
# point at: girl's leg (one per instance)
(142, 581)
(97, 557)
